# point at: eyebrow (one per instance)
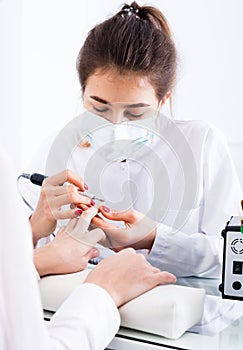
(98, 99)
(133, 105)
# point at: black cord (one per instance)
(36, 179)
(25, 176)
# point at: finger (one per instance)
(164, 277)
(90, 238)
(91, 254)
(59, 190)
(70, 190)
(69, 198)
(94, 236)
(105, 243)
(85, 219)
(112, 234)
(55, 190)
(129, 252)
(60, 231)
(155, 269)
(67, 176)
(71, 225)
(82, 206)
(66, 214)
(104, 239)
(124, 215)
(104, 225)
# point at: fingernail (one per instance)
(86, 187)
(96, 252)
(107, 210)
(78, 212)
(92, 202)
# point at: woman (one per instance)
(84, 320)
(173, 182)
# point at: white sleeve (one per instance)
(87, 320)
(183, 255)
(200, 254)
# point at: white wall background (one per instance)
(43, 90)
(10, 76)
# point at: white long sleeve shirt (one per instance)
(180, 174)
(88, 319)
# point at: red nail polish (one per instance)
(92, 202)
(107, 210)
(86, 187)
(78, 212)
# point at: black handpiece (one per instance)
(37, 179)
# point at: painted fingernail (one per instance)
(107, 210)
(86, 187)
(78, 212)
(92, 202)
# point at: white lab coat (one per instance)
(183, 178)
(88, 319)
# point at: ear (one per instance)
(84, 96)
(165, 98)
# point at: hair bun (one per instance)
(129, 10)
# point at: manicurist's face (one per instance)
(117, 97)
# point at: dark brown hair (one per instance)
(136, 39)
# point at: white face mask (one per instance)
(117, 141)
(143, 142)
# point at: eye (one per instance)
(133, 115)
(100, 109)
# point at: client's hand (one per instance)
(138, 232)
(71, 249)
(127, 275)
(53, 196)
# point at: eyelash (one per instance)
(101, 110)
(127, 113)
(133, 115)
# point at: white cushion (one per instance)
(167, 310)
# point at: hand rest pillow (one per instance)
(167, 310)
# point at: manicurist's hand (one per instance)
(72, 247)
(138, 232)
(53, 196)
(127, 275)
